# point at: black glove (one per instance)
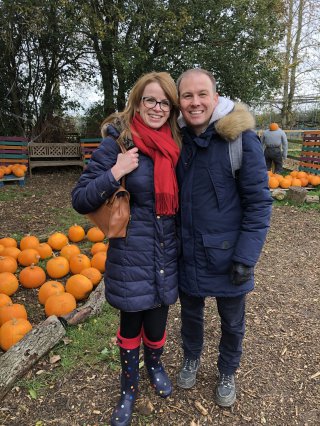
(240, 273)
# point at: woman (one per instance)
(141, 269)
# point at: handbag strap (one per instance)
(123, 151)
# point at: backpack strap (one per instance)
(235, 154)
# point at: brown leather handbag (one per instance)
(112, 217)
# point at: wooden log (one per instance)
(297, 194)
(22, 356)
(92, 307)
(312, 198)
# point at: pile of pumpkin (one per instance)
(63, 259)
(295, 178)
(18, 170)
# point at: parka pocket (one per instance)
(219, 250)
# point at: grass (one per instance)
(65, 218)
(11, 194)
(85, 345)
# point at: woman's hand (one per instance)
(125, 163)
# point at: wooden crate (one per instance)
(88, 145)
(309, 160)
(12, 178)
(13, 150)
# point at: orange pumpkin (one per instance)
(18, 171)
(28, 257)
(273, 182)
(296, 182)
(4, 299)
(99, 247)
(12, 310)
(79, 262)
(98, 261)
(57, 240)
(11, 251)
(301, 175)
(76, 233)
(79, 286)
(1, 249)
(95, 235)
(13, 331)
(285, 183)
(29, 242)
(8, 242)
(69, 250)
(93, 274)
(8, 264)
(58, 267)
(60, 304)
(48, 289)
(8, 283)
(44, 250)
(32, 276)
(273, 126)
(315, 180)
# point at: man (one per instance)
(222, 224)
(275, 143)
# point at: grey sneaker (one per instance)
(188, 373)
(226, 390)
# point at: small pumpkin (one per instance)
(76, 233)
(93, 274)
(95, 235)
(29, 242)
(4, 299)
(8, 283)
(8, 242)
(69, 250)
(57, 240)
(28, 256)
(57, 267)
(98, 261)
(79, 262)
(79, 286)
(60, 304)
(12, 310)
(8, 264)
(32, 276)
(11, 251)
(44, 250)
(99, 247)
(48, 289)
(13, 331)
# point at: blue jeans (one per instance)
(232, 316)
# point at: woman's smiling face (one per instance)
(154, 117)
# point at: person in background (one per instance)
(275, 144)
(141, 269)
(222, 224)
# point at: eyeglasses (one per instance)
(150, 102)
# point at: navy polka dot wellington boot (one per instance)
(129, 355)
(158, 377)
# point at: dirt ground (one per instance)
(278, 382)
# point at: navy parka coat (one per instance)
(222, 219)
(141, 269)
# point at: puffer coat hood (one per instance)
(141, 269)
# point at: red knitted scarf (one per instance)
(161, 147)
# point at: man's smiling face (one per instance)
(197, 100)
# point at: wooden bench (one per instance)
(54, 154)
(88, 145)
(309, 160)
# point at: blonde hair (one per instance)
(125, 117)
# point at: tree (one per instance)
(236, 40)
(40, 49)
(301, 52)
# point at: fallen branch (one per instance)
(22, 356)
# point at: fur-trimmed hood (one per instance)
(230, 119)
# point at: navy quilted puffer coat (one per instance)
(141, 269)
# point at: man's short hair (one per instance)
(197, 71)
